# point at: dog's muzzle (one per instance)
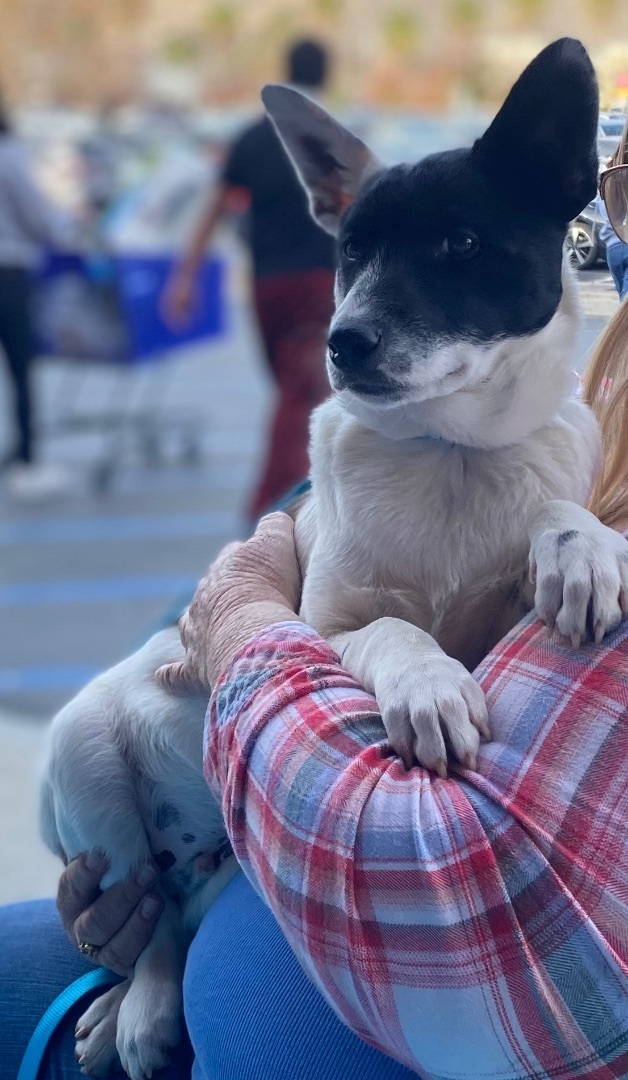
(352, 346)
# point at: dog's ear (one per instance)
(331, 163)
(543, 142)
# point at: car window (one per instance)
(612, 127)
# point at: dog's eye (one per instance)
(350, 250)
(460, 243)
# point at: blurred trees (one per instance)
(405, 52)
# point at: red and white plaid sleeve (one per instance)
(469, 927)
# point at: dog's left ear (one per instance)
(330, 161)
(543, 142)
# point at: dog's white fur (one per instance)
(415, 551)
(120, 753)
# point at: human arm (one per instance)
(180, 293)
(422, 909)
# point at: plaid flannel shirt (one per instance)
(469, 927)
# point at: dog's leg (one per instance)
(428, 700)
(96, 1032)
(149, 1023)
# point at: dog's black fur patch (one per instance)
(468, 244)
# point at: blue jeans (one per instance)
(251, 1012)
(617, 259)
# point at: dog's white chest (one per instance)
(426, 513)
(424, 529)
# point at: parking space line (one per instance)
(96, 590)
(215, 524)
(40, 679)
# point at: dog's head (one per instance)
(442, 262)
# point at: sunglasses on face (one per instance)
(614, 192)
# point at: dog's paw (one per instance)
(432, 707)
(149, 1027)
(95, 1033)
(581, 579)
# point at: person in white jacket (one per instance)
(29, 224)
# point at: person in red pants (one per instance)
(293, 266)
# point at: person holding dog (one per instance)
(615, 247)
(387, 923)
(468, 927)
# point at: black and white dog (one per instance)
(450, 457)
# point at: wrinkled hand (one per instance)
(249, 587)
(119, 921)
(580, 569)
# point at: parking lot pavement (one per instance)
(84, 580)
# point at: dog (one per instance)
(450, 459)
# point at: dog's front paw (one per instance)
(431, 707)
(581, 579)
(149, 1027)
(95, 1033)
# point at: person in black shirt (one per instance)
(293, 267)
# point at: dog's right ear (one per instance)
(542, 145)
(330, 161)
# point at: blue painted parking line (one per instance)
(32, 679)
(213, 525)
(96, 590)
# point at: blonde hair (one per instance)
(606, 391)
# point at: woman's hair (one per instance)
(606, 391)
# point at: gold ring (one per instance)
(86, 949)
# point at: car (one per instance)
(582, 242)
(611, 126)
(609, 133)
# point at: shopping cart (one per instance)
(103, 312)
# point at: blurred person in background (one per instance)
(293, 271)
(29, 224)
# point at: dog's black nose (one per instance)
(351, 345)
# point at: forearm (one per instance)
(316, 807)
(212, 215)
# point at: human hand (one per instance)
(180, 298)
(249, 587)
(118, 922)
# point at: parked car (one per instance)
(609, 133)
(583, 239)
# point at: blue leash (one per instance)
(67, 999)
(55, 1013)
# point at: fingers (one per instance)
(101, 918)
(182, 680)
(120, 953)
(274, 544)
(79, 886)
